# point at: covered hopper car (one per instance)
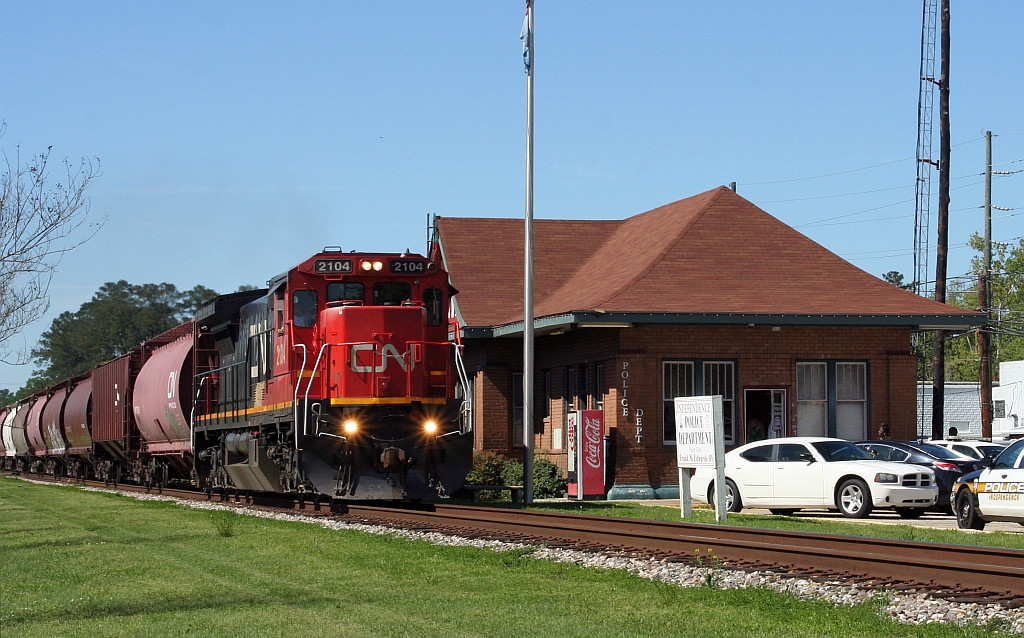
(338, 379)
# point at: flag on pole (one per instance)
(527, 39)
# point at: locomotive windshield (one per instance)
(391, 293)
(345, 291)
(304, 308)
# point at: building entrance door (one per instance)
(764, 413)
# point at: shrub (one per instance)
(487, 467)
(547, 478)
(493, 469)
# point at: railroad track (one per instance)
(955, 572)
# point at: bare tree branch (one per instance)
(40, 221)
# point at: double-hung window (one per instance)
(685, 378)
(832, 399)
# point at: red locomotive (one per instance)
(338, 379)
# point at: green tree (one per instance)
(1006, 311)
(118, 317)
(895, 278)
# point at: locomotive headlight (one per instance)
(378, 266)
(350, 426)
(430, 427)
(368, 265)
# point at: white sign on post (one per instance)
(700, 442)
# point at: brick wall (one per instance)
(632, 364)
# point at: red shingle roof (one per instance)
(713, 253)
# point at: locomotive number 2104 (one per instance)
(332, 265)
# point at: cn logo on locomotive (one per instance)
(387, 352)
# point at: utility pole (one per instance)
(528, 351)
(985, 303)
(942, 241)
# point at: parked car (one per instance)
(973, 449)
(993, 493)
(946, 464)
(792, 473)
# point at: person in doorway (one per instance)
(883, 432)
(755, 429)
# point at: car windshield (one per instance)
(840, 451)
(938, 452)
(991, 451)
(1008, 457)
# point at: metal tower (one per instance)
(925, 163)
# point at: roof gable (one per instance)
(711, 254)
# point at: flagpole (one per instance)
(528, 53)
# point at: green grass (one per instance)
(75, 563)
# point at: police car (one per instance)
(993, 493)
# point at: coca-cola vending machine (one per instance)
(586, 454)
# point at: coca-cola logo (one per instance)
(592, 442)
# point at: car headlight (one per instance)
(886, 477)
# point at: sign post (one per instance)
(700, 442)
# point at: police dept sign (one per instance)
(699, 428)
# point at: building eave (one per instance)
(557, 324)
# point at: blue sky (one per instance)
(238, 138)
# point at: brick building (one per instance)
(707, 295)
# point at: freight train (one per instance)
(339, 379)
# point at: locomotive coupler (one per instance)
(394, 459)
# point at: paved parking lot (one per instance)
(932, 520)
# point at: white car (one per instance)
(794, 473)
(973, 449)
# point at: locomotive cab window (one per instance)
(391, 293)
(279, 308)
(304, 308)
(345, 291)
(434, 303)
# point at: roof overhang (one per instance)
(557, 324)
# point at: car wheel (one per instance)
(782, 511)
(967, 511)
(854, 499)
(733, 502)
(910, 512)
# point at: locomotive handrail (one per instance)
(309, 386)
(192, 412)
(295, 396)
(203, 376)
(460, 368)
(467, 402)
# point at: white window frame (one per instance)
(702, 373)
(834, 400)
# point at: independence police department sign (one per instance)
(698, 426)
(700, 442)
